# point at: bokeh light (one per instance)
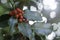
(50, 4)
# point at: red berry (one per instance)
(10, 14)
(20, 14)
(15, 11)
(17, 16)
(19, 10)
(21, 17)
(20, 20)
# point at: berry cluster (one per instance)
(18, 14)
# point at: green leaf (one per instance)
(25, 29)
(54, 20)
(4, 24)
(4, 20)
(3, 10)
(12, 23)
(42, 28)
(1, 37)
(4, 17)
(31, 15)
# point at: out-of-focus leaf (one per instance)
(42, 28)
(6, 29)
(7, 4)
(31, 15)
(25, 29)
(1, 37)
(4, 17)
(3, 10)
(4, 24)
(57, 29)
(12, 23)
(54, 20)
(3, 1)
(4, 20)
(55, 26)
(27, 3)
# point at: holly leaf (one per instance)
(31, 15)
(25, 29)
(12, 22)
(54, 20)
(42, 28)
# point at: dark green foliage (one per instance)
(4, 17)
